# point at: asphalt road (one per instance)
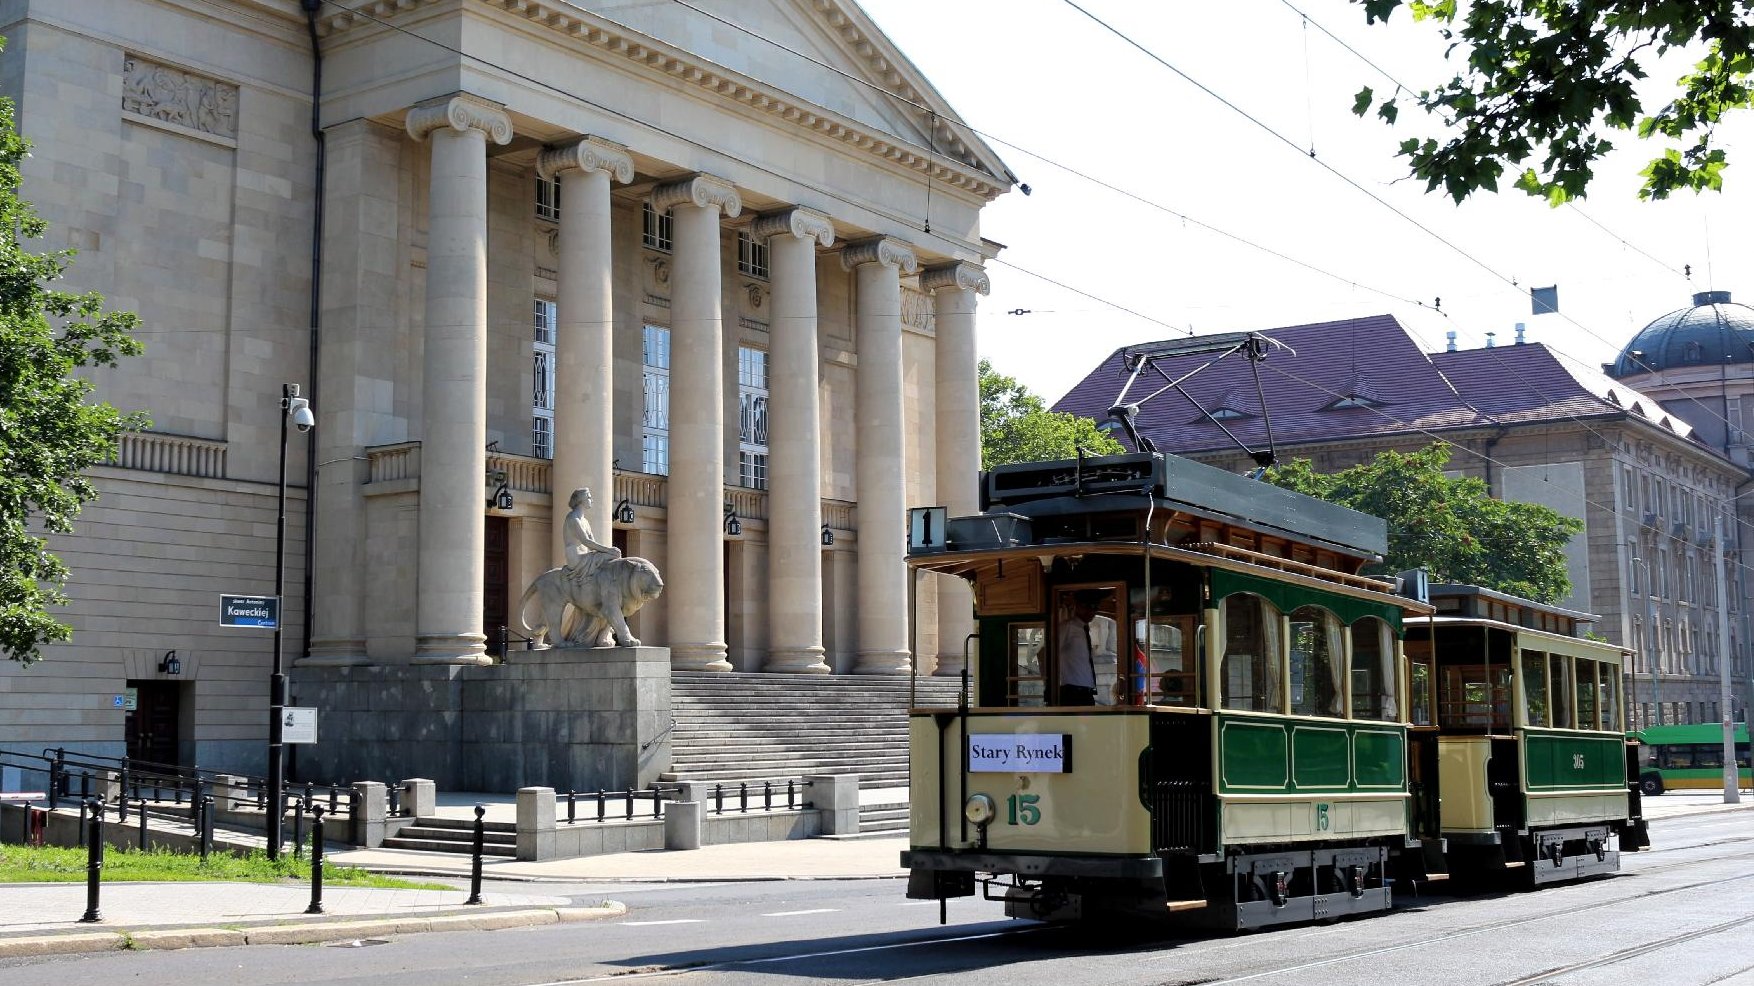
(1682, 915)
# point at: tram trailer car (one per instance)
(1254, 760)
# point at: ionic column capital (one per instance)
(586, 154)
(803, 223)
(961, 274)
(880, 250)
(700, 190)
(460, 111)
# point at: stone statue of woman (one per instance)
(584, 554)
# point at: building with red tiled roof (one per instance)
(1535, 425)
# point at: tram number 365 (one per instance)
(1023, 809)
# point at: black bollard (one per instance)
(316, 861)
(82, 810)
(141, 804)
(572, 804)
(298, 828)
(630, 804)
(480, 848)
(206, 826)
(94, 863)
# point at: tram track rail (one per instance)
(1565, 913)
(1548, 976)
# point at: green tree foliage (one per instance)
(1016, 425)
(49, 432)
(1452, 527)
(1558, 75)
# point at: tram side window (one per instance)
(1419, 697)
(1317, 660)
(1174, 648)
(1374, 689)
(1251, 654)
(1588, 716)
(1559, 686)
(1534, 688)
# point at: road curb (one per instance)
(534, 878)
(311, 933)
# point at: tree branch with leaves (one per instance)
(1016, 425)
(1559, 77)
(50, 432)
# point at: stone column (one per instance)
(794, 433)
(696, 571)
(360, 293)
(879, 470)
(957, 409)
(453, 439)
(584, 385)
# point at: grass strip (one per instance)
(65, 864)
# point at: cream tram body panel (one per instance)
(1093, 806)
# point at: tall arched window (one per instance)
(1318, 662)
(1375, 691)
(1251, 654)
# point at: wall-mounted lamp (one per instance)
(502, 495)
(624, 511)
(827, 537)
(169, 664)
(733, 526)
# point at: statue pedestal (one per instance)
(569, 718)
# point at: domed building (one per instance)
(1698, 363)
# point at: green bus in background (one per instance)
(1689, 757)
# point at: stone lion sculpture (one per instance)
(601, 601)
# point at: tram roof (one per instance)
(1137, 481)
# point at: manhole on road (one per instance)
(358, 943)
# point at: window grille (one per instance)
(751, 255)
(752, 421)
(658, 231)
(548, 199)
(655, 421)
(542, 380)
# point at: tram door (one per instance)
(150, 728)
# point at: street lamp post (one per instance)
(294, 410)
(1732, 792)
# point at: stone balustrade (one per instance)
(179, 455)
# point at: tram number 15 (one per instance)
(1022, 809)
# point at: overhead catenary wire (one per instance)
(906, 220)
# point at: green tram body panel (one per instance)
(1292, 755)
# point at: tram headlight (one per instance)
(978, 809)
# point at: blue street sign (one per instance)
(249, 611)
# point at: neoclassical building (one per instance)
(719, 266)
(1645, 479)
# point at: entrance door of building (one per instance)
(151, 727)
(496, 574)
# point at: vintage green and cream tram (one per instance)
(1253, 760)
(1530, 749)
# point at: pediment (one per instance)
(820, 63)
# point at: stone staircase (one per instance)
(751, 727)
(457, 836)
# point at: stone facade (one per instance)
(174, 149)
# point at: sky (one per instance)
(1072, 107)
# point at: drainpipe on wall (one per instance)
(311, 7)
(1486, 456)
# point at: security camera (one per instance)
(302, 418)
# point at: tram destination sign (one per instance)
(1019, 753)
(262, 612)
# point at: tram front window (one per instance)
(1474, 696)
(1251, 654)
(1025, 685)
